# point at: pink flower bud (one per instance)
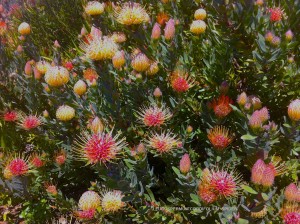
(242, 99)
(28, 68)
(268, 177)
(157, 92)
(19, 49)
(289, 35)
(170, 29)
(292, 193)
(56, 44)
(156, 32)
(185, 164)
(258, 171)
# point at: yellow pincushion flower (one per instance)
(65, 113)
(153, 69)
(198, 27)
(94, 8)
(294, 110)
(7, 174)
(80, 87)
(89, 200)
(42, 66)
(200, 14)
(57, 76)
(131, 14)
(118, 59)
(140, 62)
(112, 201)
(24, 28)
(100, 48)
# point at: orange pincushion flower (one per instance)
(180, 81)
(292, 193)
(154, 116)
(294, 110)
(275, 14)
(131, 13)
(99, 147)
(3, 28)
(163, 143)
(162, 18)
(221, 106)
(90, 74)
(219, 137)
(206, 194)
(29, 122)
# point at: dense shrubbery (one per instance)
(164, 111)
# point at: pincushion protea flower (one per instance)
(289, 35)
(156, 32)
(185, 164)
(164, 142)
(80, 87)
(258, 118)
(221, 106)
(181, 81)
(90, 74)
(100, 48)
(162, 18)
(140, 62)
(292, 218)
(242, 99)
(131, 13)
(85, 215)
(57, 76)
(10, 116)
(290, 213)
(29, 122)
(219, 137)
(257, 171)
(17, 165)
(112, 201)
(65, 113)
(170, 29)
(200, 14)
(3, 28)
(61, 157)
(292, 193)
(94, 8)
(89, 200)
(153, 69)
(36, 161)
(275, 14)
(198, 27)
(118, 37)
(96, 125)
(50, 188)
(98, 148)
(294, 110)
(42, 66)
(215, 184)
(24, 28)
(153, 115)
(260, 214)
(118, 59)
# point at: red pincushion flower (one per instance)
(292, 218)
(18, 167)
(154, 116)
(61, 157)
(275, 14)
(219, 137)
(36, 161)
(10, 116)
(29, 122)
(221, 106)
(164, 142)
(68, 65)
(223, 183)
(99, 147)
(181, 82)
(87, 214)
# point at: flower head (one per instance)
(61, 157)
(200, 14)
(100, 48)
(36, 161)
(86, 214)
(292, 193)
(185, 164)
(198, 27)
(219, 137)
(180, 81)
(289, 35)
(275, 14)
(10, 116)
(99, 147)
(57, 76)
(131, 13)
(269, 36)
(112, 201)
(89, 200)
(29, 122)
(242, 99)
(294, 110)
(163, 142)
(257, 171)
(51, 189)
(3, 28)
(258, 118)
(118, 59)
(24, 28)
(140, 62)
(153, 69)
(80, 87)
(162, 18)
(94, 8)
(221, 106)
(292, 218)
(170, 29)
(65, 113)
(90, 74)
(156, 32)
(17, 165)
(118, 37)
(153, 115)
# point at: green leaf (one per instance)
(248, 137)
(242, 221)
(248, 189)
